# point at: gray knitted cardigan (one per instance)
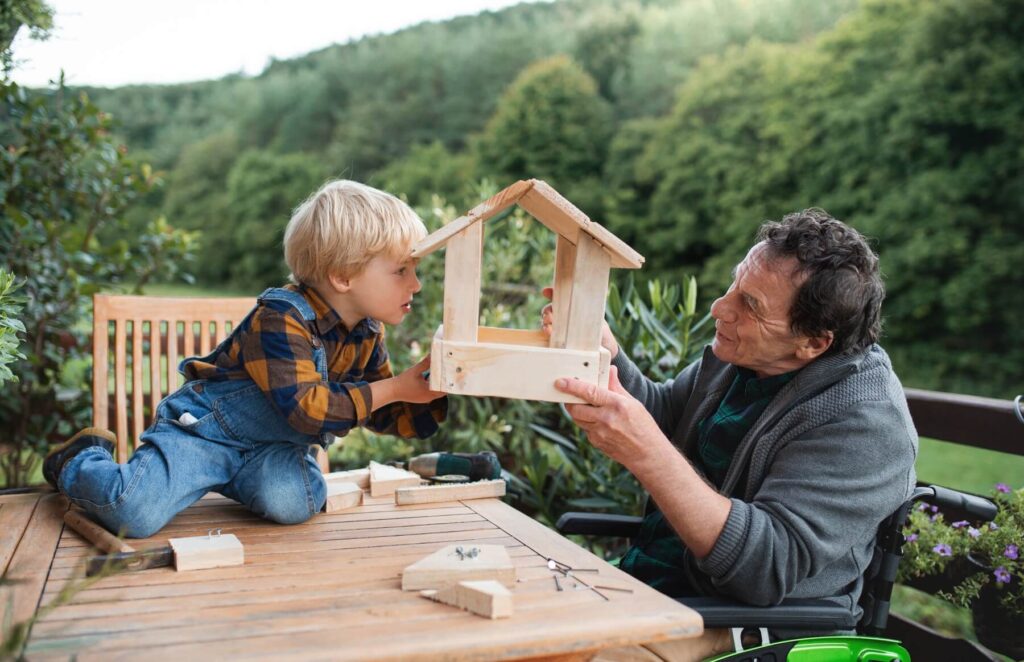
(831, 456)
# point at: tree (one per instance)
(64, 187)
(262, 190)
(904, 122)
(551, 124)
(426, 171)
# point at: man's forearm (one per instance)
(694, 509)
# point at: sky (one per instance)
(119, 42)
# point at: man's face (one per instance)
(752, 324)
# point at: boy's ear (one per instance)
(340, 284)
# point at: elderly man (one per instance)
(772, 460)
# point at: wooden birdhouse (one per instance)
(469, 359)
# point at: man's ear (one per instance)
(811, 347)
(340, 284)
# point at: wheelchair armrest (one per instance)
(599, 524)
(794, 614)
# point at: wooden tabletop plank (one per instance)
(15, 512)
(30, 563)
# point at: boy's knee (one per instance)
(134, 520)
(287, 502)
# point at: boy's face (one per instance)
(383, 291)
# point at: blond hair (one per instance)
(344, 225)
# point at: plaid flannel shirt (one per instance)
(273, 347)
(656, 556)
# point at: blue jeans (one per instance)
(232, 442)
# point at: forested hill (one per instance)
(364, 103)
(681, 125)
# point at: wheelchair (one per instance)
(867, 645)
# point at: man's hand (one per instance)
(547, 317)
(616, 422)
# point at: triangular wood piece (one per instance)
(384, 480)
(446, 566)
(486, 597)
(342, 495)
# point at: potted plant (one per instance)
(980, 567)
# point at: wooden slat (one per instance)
(204, 337)
(590, 289)
(138, 416)
(29, 565)
(120, 400)
(15, 512)
(155, 389)
(172, 354)
(565, 264)
(462, 285)
(100, 341)
(189, 329)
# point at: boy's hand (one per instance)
(547, 317)
(412, 386)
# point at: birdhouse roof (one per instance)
(546, 205)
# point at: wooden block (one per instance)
(565, 264)
(384, 480)
(341, 496)
(486, 598)
(445, 567)
(201, 552)
(461, 314)
(496, 369)
(590, 289)
(481, 489)
(360, 477)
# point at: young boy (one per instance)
(307, 363)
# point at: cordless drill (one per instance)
(475, 466)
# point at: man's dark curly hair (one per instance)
(842, 291)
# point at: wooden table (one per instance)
(326, 589)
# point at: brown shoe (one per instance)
(86, 438)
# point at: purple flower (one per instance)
(934, 509)
(993, 526)
(933, 518)
(1011, 552)
(959, 525)
(913, 536)
(973, 532)
(922, 506)
(1002, 487)
(1002, 576)
(942, 549)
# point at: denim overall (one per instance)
(219, 436)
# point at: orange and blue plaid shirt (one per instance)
(274, 347)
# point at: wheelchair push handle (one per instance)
(975, 505)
